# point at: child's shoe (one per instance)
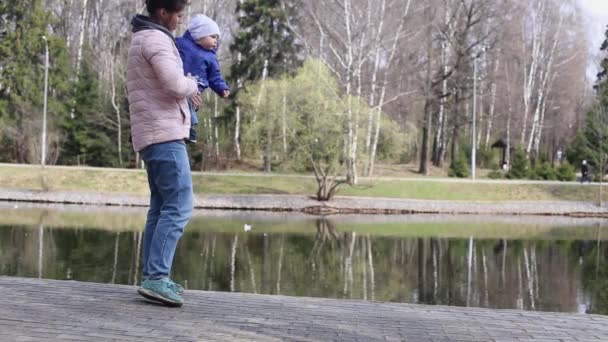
(192, 138)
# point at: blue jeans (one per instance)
(171, 202)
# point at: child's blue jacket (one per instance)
(201, 63)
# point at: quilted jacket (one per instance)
(156, 86)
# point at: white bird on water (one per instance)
(247, 227)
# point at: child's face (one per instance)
(208, 42)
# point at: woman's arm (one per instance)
(158, 50)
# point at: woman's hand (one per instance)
(196, 101)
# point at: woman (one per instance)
(158, 92)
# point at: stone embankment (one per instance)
(339, 205)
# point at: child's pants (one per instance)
(193, 122)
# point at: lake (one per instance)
(514, 262)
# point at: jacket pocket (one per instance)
(181, 110)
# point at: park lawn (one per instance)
(129, 181)
(471, 191)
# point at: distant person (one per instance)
(197, 48)
(559, 156)
(158, 94)
(584, 172)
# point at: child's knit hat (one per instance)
(202, 26)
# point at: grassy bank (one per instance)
(135, 182)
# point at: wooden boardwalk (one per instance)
(49, 310)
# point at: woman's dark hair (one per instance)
(170, 5)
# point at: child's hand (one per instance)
(226, 93)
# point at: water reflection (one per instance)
(334, 258)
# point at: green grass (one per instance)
(253, 185)
(474, 191)
(135, 182)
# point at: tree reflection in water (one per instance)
(327, 258)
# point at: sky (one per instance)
(597, 12)
(598, 16)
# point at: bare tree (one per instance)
(377, 107)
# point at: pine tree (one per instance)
(591, 142)
(601, 85)
(86, 136)
(264, 36)
(520, 166)
(22, 48)
(265, 46)
(592, 139)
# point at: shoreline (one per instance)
(306, 204)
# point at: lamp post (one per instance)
(602, 112)
(46, 88)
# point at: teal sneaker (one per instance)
(174, 286)
(160, 290)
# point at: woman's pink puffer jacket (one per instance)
(157, 90)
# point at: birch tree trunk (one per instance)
(509, 115)
(440, 136)
(481, 96)
(351, 158)
(545, 75)
(237, 112)
(216, 136)
(116, 107)
(358, 74)
(82, 34)
(68, 6)
(379, 106)
(530, 72)
(493, 90)
(539, 132)
(428, 114)
(372, 95)
(268, 150)
(268, 122)
(237, 132)
(262, 89)
(83, 21)
(439, 144)
(284, 120)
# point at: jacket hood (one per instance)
(142, 22)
